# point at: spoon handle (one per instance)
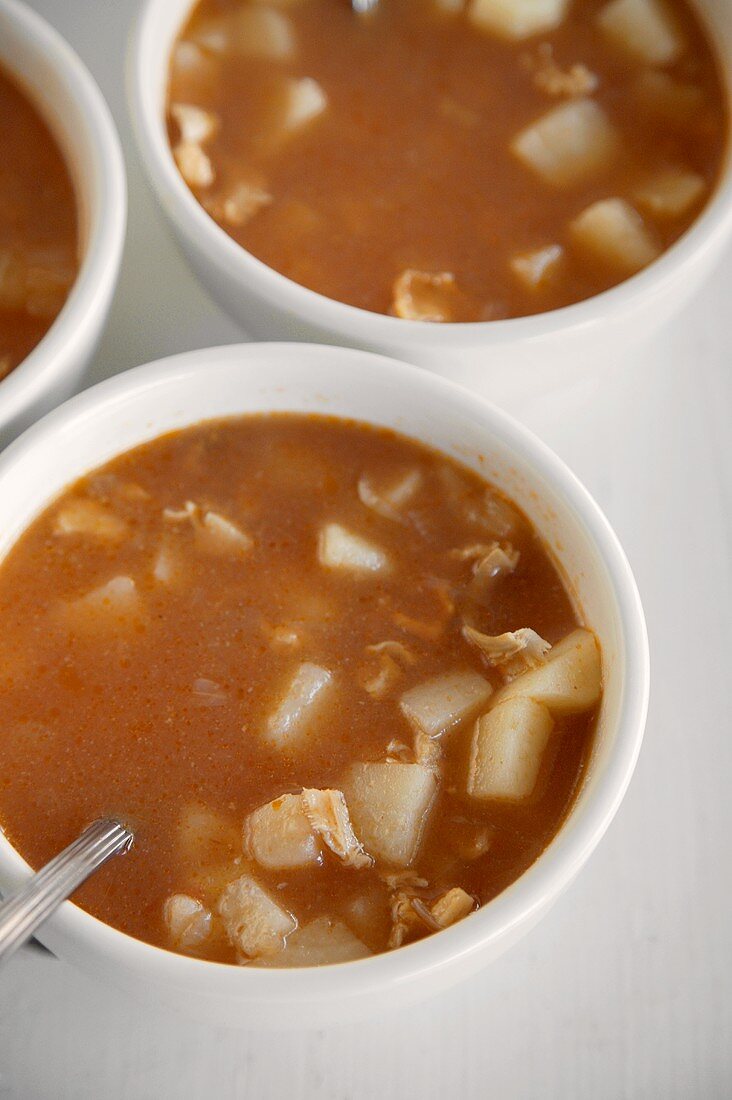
(24, 911)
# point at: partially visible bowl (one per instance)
(507, 360)
(141, 404)
(56, 81)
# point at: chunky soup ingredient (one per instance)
(330, 676)
(449, 160)
(38, 227)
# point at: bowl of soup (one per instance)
(355, 655)
(62, 217)
(504, 192)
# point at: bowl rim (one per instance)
(196, 225)
(581, 831)
(105, 190)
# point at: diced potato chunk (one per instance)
(303, 101)
(187, 920)
(516, 19)
(571, 680)
(568, 145)
(508, 744)
(205, 836)
(279, 835)
(261, 32)
(289, 724)
(117, 599)
(89, 517)
(670, 192)
(443, 702)
(644, 29)
(339, 548)
(389, 803)
(195, 125)
(612, 231)
(424, 296)
(255, 924)
(194, 165)
(537, 269)
(320, 943)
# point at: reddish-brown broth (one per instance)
(103, 721)
(408, 167)
(38, 227)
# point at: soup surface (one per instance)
(449, 161)
(38, 227)
(293, 653)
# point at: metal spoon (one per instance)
(24, 911)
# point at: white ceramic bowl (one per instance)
(61, 88)
(507, 360)
(139, 405)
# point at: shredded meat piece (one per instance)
(452, 907)
(551, 78)
(328, 815)
(397, 750)
(410, 912)
(391, 659)
(512, 652)
(427, 750)
(499, 561)
(405, 919)
(179, 515)
(428, 632)
(489, 559)
(422, 296)
(213, 529)
(239, 205)
(194, 165)
(195, 124)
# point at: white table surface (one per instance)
(625, 989)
